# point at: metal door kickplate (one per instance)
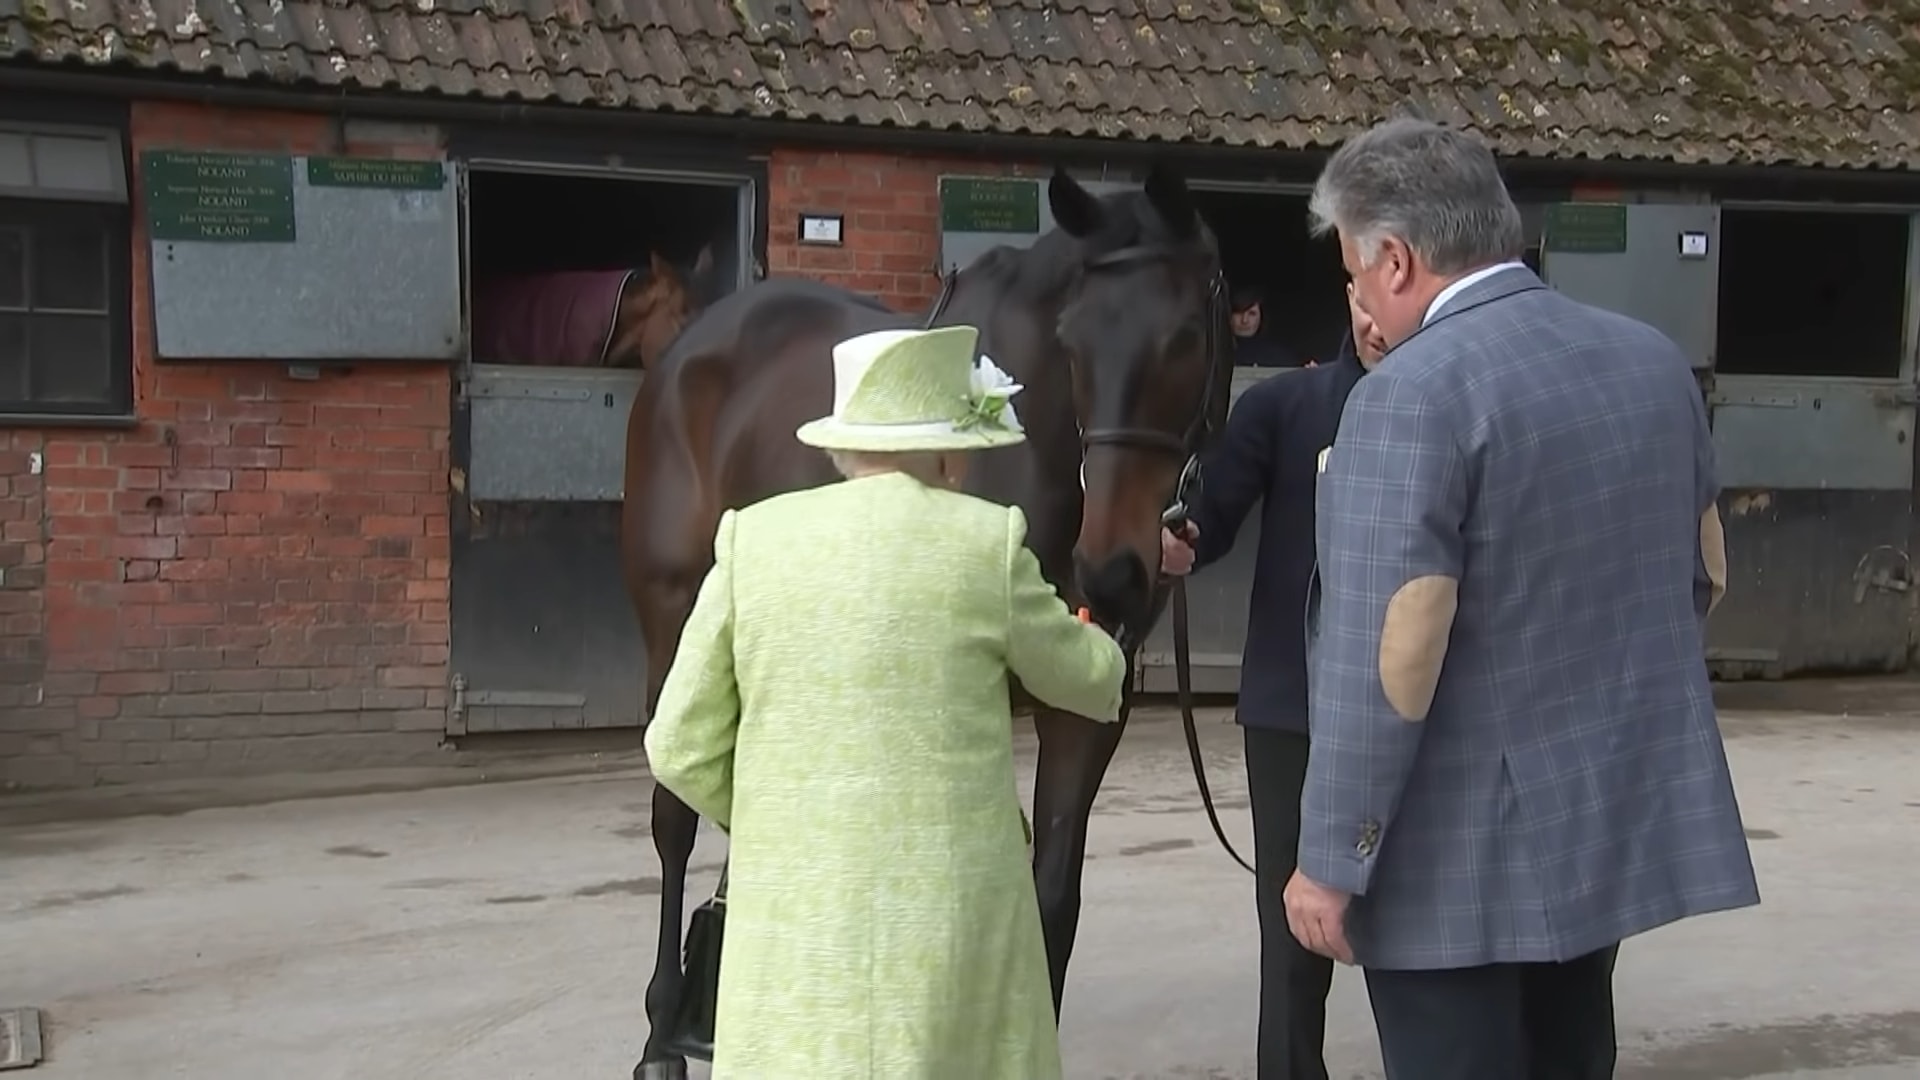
(19, 1038)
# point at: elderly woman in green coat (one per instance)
(839, 704)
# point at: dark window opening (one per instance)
(1264, 244)
(65, 347)
(1812, 293)
(532, 223)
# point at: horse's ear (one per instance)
(703, 263)
(1075, 209)
(1168, 194)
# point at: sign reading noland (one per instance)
(218, 198)
(215, 198)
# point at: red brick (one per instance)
(199, 480)
(144, 547)
(135, 454)
(382, 525)
(194, 570)
(124, 683)
(186, 614)
(299, 480)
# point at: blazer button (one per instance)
(1369, 838)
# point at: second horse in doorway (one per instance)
(585, 318)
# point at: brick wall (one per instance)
(24, 729)
(891, 247)
(256, 575)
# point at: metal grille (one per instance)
(19, 1038)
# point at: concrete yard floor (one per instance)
(502, 930)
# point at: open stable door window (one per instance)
(1812, 293)
(65, 349)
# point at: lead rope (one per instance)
(1183, 682)
(1182, 634)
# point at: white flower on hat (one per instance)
(990, 396)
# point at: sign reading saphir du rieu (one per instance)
(218, 198)
(389, 174)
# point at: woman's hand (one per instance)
(1118, 632)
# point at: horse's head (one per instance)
(1145, 332)
(653, 314)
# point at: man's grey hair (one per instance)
(1437, 190)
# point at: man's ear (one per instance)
(1399, 259)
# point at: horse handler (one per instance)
(839, 704)
(1515, 763)
(1269, 454)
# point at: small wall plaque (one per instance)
(1586, 228)
(1693, 245)
(989, 204)
(828, 230)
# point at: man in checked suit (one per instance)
(1515, 763)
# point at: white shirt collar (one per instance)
(1461, 285)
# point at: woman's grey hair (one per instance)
(1437, 190)
(851, 463)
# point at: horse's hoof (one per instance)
(676, 1069)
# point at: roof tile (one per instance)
(1814, 82)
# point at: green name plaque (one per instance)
(983, 205)
(1587, 228)
(218, 198)
(376, 173)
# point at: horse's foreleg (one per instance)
(674, 827)
(1074, 754)
(663, 612)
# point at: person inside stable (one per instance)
(1252, 347)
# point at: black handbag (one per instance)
(691, 1033)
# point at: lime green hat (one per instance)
(916, 390)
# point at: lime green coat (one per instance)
(839, 704)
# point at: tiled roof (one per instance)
(1814, 82)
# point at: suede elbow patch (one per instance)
(1713, 554)
(1413, 643)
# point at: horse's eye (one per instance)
(1184, 342)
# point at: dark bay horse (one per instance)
(585, 318)
(1114, 322)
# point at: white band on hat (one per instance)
(936, 427)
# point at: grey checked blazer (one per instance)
(1514, 750)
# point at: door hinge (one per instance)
(1905, 395)
(457, 706)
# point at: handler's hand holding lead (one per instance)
(1317, 916)
(1176, 550)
